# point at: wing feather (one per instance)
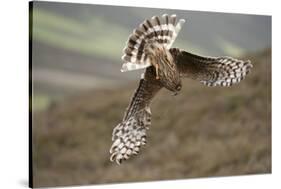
(211, 71)
(129, 135)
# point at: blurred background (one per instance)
(79, 95)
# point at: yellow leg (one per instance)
(156, 68)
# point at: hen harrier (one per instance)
(149, 47)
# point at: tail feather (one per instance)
(162, 30)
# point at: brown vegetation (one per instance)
(202, 132)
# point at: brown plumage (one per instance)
(149, 47)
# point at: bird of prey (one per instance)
(149, 48)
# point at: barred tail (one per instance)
(162, 30)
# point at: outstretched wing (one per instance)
(211, 71)
(129, 135)
(162, 30)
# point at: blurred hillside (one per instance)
(202, 132)
(77, 47)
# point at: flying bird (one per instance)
(149, 48)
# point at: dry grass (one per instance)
(202, 132)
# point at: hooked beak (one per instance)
(175, 94)
(178, 88)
